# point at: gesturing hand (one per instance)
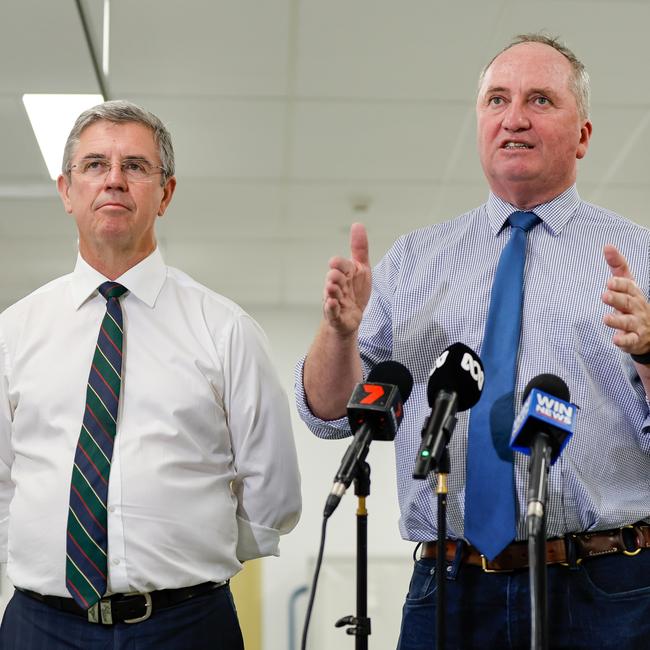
(348, 284)
(631, 315)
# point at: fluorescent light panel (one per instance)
(52, 117)
(106, 37)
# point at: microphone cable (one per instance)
(314, 584)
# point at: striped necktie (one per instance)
(490, 514)
(86, 546)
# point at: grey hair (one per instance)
(579, 83)
(121, 111)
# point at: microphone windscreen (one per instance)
(393, 372)
(459, 370)
(550, 384)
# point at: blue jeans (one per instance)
(603, 603)
(207, 622)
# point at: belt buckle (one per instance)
(148, 607)
(486, 569)
(637, 550)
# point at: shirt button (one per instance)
(111, 509)
(115, 561)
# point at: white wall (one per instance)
(290, 332)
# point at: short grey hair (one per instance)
(120, 111)
(579, 83)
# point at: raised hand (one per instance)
(333, 364)
(631, 315)
(348, 284)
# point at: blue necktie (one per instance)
(490, 512)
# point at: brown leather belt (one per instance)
(573, 548)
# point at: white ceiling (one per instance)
(290, 116)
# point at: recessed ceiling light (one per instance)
(52, 116)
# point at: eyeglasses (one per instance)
(136, 170)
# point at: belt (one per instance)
(126, 608)
(569, 550)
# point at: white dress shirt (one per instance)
(204, 472)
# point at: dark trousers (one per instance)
(602, 604)
(207, 622)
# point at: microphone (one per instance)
(375, 411)
(542, 429)
(455, 384)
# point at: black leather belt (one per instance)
(126, 608)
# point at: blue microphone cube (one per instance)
(546, 413)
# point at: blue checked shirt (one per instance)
(432, 289)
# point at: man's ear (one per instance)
(583, 143)
(168, 192)
(63, 188)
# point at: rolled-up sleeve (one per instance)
(267, 479)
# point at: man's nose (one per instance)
(115, 177)
(516, 118)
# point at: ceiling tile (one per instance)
(199, 47)
(211, 210)
(373, 140)
(231, 139)
(384, 49)
(288, 116)
(316, 210)
(42, 49)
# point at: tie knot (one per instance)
(111, 290)
(524, 220)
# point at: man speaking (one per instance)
(536, 280)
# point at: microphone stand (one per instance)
(536, 526)
(538, 595)
(441, 548)
(436, 459)
(359, 625)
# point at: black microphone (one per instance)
(542, 430)
(375, 411)
(455, 384)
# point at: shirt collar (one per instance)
(554, 215)
(144, 280)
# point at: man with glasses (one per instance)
(145, 441)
